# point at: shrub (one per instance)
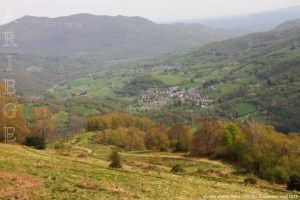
(115, 159)
(294, 183)
(177, 168)
(62, 149)
(58, 145)
(251, 181)
(82, 155)
(38, 142)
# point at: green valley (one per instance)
(230, 78)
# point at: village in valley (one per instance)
(159, 98)
(154, 98)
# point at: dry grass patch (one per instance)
(17, 185)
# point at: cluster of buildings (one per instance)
(158, 99)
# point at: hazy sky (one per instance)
(156, 10)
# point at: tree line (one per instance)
(256, 147)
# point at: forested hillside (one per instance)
(250, 77)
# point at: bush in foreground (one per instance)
(250, 181)
(177, 168)
(115, 159)
(38, 142)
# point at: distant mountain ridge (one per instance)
(253, 22)
(109, 37)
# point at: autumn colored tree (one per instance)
(157, 138)
(11, 116)
(270, 154)
(127, 138)
(180, 138)
(42, 123)
(135, 138)
(115, 120)
(208, 136)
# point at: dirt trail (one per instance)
(89, 151)
(226, 167)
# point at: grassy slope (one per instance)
(65, 174)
